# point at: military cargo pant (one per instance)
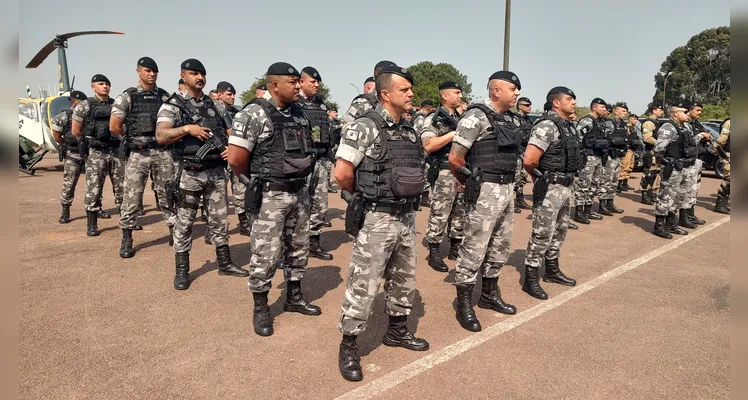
(609, 179)
(694, 183)
(651, 178)
(672, 193)
(550, 222)
(142, 163)
(99, 164)
(385, 249)
(280, 232)
(72, 169)
(447, 206)
(589, 182)
(237, 192)
(627, 165)
(520, 176)
(319, 183)
(211, 185)
(488, 234)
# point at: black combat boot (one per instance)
(693, 218)
(553, 274)
(720, 206)
(182, 276)
(591, 214)
(683, 219)
(207, 238)
(647, 197)
(103, 214)
(397, 335)
(520, 201)
(425, 201)
(671, 225)
(263, 323)
(602, 208)
(137, 227)
(65, 216)
(465, 314)
(316, 251)
(171, 236)
(435, 258)
(490, 297)
(573, 226)
(92, 221)
(580, 216)
(295, 301)
(348, 360)
(531, 285)
(454, 248)
(627, 186)
(226, 265)
(327, 224)
(659, 229)
(612, 207)
(244, 228)
(126, 250)
(619, 187)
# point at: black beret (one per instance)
(283, 68)
(262, 87)
(428, 103)
(633, 116)
(609, 107)
(561, 90)
(181, 81)
(525, 99)
(77, 94)
(311, 71)
(655, 106)
(369, 79)
(694, 104)
(193, 65)
(148, 62)
(225, 86)
(684, 104)
(506, 76)
(384, 63)
(622, 104)
(449, 85)
(100, 78)
(394, 69)
(597, 100)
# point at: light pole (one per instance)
(355, 87)
(664, 87)
(507, 18)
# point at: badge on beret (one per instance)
(211, 112)
(405, 71)
(290, 70)
(514, 78)
(187, 65)
(314, 74)
(140, 61)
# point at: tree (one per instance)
(249, 95)
(331, 105)
(428, 76)
(700, 70)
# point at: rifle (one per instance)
(217, 141)
(718, 150)
(441, 116)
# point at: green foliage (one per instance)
(249, 95)
(716, 111)
(331, 105)
(700, 69)
(428, 76)
(581, 112)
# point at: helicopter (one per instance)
(35, 115)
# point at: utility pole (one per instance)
(507, 18)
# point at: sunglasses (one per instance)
(525, 105)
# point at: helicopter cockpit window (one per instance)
(58, 105)
(28, 110)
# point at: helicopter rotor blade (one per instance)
(50, 47)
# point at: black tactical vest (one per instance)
(496, 153)
(683, 145)
(96, 124)
(207, 116)
(144, 106)
(285, 156)
(619, 137)
(444, 123)
(526, 127)
(370, 97)
(650, 147)
(67, 131)
(564, 154)
(316, 112)
(595, 137)
(396, 175)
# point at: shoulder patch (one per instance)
(351, 134)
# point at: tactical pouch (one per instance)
(601, 144)
(433, 173)
(407, 183)
(172, 195)
(539, 190)
(298, 167)
(667, 171)
(253, 195)
(63, 149)
(355, 213)
(472, 188)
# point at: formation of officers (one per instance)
(276, 154)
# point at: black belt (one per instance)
(391, 208)
(501, 179)
(145, 146)
(195, 166)
(289, 187)
(443, 165)
(559, 178)
(688, 162)
(102, 146)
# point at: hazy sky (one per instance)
(597, 48)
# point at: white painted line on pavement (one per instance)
(425, 363)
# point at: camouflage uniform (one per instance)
(156, 162)
(209, 183)
(385, 247)
(611, 171)
(72, 168)
(359, 106)
(651, 178)
(590, 182)
(99, 164)
(722, 205)
(693, 172)
(673, 190)
(488, 226)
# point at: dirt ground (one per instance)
(649, 318)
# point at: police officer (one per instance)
(447, 204)
(380, 160)
(722, 205)
(180, 86)
(260, 91)
(62, 132)
(650, 183)
(137, 108)
(369, 85)
(416, 118)
(687, 216)
(593, 137)
(524, 108)
(322, 143)
(627, 161)
(272, 140)
(618, 138)
(487, 140)
(676, 151)
(335, 126)
(554, 153)
(366, 101)
(187, 121)
(427, 107)
(91, 121)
